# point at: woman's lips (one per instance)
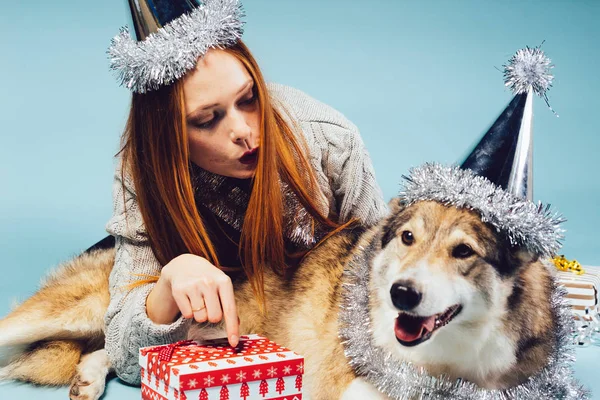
(250, 156)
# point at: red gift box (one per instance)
(212, 370)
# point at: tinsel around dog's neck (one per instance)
(404, 381)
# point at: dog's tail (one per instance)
(45, 363)
(42, 339)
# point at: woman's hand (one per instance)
(193, 286)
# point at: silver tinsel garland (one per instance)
(228, 199)
(587, 328)
(166, 55)
(529, 67)
(404, 381)
(526, 224)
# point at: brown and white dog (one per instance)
(446, 292)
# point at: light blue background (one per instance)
(418, 78)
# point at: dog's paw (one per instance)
(82, 389)
(89, 382)
(360, 389)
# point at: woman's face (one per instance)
(222, 115)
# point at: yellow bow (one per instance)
(562, 264)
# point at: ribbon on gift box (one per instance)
(159, 357)
(165, 352)
(562, 264)
(156, 355)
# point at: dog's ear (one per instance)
(525, 256)
(396, 205)
(522, 258)
(512, 258)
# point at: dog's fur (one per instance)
(502, 335)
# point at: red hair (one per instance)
(155, 153)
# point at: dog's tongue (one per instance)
(409, 328)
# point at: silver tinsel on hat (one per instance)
(166, 55)
(526, 224)
(529, 68)
(403, 381)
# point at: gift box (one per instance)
(212, 370)
(583, 288)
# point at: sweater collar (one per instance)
(228, 198)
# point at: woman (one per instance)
(220, 177)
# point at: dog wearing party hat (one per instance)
(452, 284)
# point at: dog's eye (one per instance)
(407, 238)
(462, 251)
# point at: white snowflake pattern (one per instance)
(272, 372)
(287, 369)
(192, 383)
(209, 381)
(225, 379)
(300, 368)
(241, 376)
(256, 374)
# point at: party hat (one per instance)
(170, 37)
(496, 178)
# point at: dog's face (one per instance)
(438, 287)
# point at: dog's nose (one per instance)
(404, 296)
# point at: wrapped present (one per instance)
(583, 294)
(212, 370)
(582, 284)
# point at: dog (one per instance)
(447, 293)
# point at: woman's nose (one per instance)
(240, 130)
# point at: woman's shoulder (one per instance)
(304, 108)
(126, 219)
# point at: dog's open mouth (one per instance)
(411, 330)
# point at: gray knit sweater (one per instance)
(344, 172)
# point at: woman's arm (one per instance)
(348, 167)
(160, 305)
(336, 152)
(128, 326)
(160, 312)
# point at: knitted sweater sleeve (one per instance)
(127, 326)
(347, 165)
(337, 153)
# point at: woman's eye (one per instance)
(462, 251)
(249, 100)
(408, 238)
(206, 124)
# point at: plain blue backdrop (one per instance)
(420, 80)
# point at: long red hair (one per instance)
(155, 153)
